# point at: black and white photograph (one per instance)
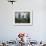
(23, 17)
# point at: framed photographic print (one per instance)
(23, 17)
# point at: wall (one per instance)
(9, 31)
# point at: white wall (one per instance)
(9, 31)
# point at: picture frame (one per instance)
(23, 17)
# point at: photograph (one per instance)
(23, 17)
